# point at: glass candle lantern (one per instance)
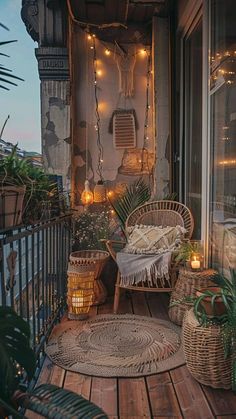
(79, 294)
(196, 261)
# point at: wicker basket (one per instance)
(187, 284)
(91, 261)
(204, 353)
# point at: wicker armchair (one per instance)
(165, 213)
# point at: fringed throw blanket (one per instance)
(152, 269)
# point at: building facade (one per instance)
(161, 71)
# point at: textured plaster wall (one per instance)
(162, 105)
(108, 96)
(56, 128)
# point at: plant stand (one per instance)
(187, 284)
(93, 261)
(204, 353)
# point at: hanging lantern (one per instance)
(80, 292)
(87, 194)
(100, 194)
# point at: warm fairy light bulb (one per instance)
(93, 35)
(99, 72)
(110, 194)
(87, 194)
(107, 51)
(91, 47)
(143, 51)
(89, 37)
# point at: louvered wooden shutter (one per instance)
(124, 134)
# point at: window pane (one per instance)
(223, 135)
(193, 125)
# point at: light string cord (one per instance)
(98, 120)
(87, 125)
(146, 115)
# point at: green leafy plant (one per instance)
(186, 250)
(91, 227)
(5, 73)
(15, 171)
(48, 400)
(134, 195)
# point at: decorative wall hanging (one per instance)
(137, 162)
(124, 132)
(123, 122)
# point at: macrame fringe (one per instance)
(154, 276)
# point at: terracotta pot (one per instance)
(11, 204)
(219, 308)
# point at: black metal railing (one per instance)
(33, 274)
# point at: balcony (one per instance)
(36, 288)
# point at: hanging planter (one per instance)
(11, 205)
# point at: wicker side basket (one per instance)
(91, 261)
(187, 284)
(204, 353)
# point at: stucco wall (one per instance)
(108, 97)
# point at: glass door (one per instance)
(192, 159)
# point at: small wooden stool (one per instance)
(186, 285)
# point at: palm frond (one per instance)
(53, 402)
(135, 195)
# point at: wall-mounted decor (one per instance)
(124, 132)
(137, 162)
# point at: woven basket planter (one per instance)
(11, 204)
(91, 261)
(204, 353)
(186, 285)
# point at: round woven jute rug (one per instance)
(116, 346)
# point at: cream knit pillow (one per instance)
(153, 239)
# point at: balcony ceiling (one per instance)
(103, 16)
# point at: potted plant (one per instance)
(216, 330)
(23, 189)
(17, 363)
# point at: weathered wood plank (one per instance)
(162, 396)
(191, 398)
(157, 303)
(104, 395)
(223, 402)
(226, 417)
(46, 371)
(57, 376)
(80, 384)
(140, 306)
(133, 398)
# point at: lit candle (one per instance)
(195, 264)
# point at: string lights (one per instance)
(99, 190)
(87, 195)
(144, 158)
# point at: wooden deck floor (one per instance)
(173, 394)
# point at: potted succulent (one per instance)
(216, 329)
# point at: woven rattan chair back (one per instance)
(163, 213)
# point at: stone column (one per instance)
(161, 78)
(55, 111)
